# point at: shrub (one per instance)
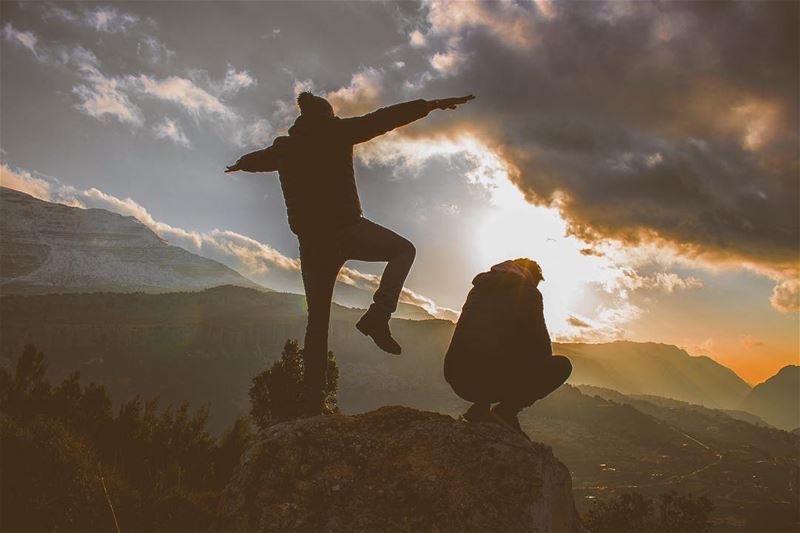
(277, 393)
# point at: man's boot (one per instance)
(375, 324)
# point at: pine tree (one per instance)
(277, 393)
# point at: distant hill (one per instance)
(612, 442)
(777, 400)
(49, 248)
(656, 369)
(187, 342)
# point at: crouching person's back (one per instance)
(500, 351)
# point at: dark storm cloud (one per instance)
(676, 120)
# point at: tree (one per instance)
(277, 393)
(628, 512)
(631, 512)
(683, 512)
(161, 467)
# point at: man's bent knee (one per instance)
(563, 365)
(407, 249)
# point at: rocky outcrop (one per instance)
(398, 469)
(49, 247)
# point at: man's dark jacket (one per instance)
(501, 331)
(315, 162)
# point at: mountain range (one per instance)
(54, 248)
(655, 369)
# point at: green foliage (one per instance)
(162, 469)
(631, 512)
(277, 394)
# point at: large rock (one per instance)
(398, 469)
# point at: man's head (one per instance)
(314, 106)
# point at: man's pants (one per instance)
(322, 258)
(518, 387)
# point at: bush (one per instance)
(277, 393)
(631, 512)
(162, 469)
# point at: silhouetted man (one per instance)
(500, 351)
(315, 164)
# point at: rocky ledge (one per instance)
(398, 469)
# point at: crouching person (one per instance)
(500, 352)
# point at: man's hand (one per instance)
(449, 103)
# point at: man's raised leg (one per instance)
(367, 241)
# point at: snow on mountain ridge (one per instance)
(48, 247)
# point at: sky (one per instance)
(645, 153)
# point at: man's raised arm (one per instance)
(369, 126)
(265, 160)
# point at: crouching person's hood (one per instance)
(506, 273)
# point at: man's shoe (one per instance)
(377, 327)
(507, 420)
(478, 412)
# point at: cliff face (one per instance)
(49, 247)
(398, 469)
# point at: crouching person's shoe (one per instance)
(375, 324)
(508, 419)
(478, 412)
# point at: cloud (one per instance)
(572, 320)
(362, 95)
(511, 22)
(195, 100)
(250, 257)
(417, 39)
(750, 341)
(110, 19)
(24, 38)
(153, 50)
(258, 133)
(694, 148)
(22, 180)
(667, 282)
(235, 81)
(169, 129)
(786, 296)
(104, 19)
(446, 62)
(100, 96)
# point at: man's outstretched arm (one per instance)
(369, 126)
(265, 160)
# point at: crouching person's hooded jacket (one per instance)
(501, 334)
